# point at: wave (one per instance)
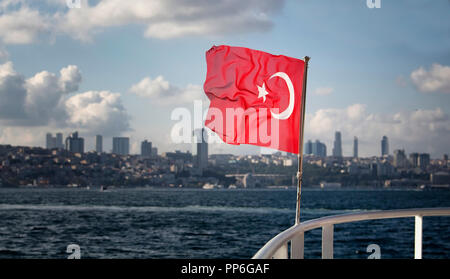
(190, 208)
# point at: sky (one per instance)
(120, 68)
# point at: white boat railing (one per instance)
(278, 247)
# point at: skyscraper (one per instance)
(317, 148)
(50, 141)
(202, 149)
(54, 142)
(414, 159)
(74, 143)
(355, 147)
(384, 146)
(146, 148)
(59, 141)
(308, 147)
(337, 147)
(121, 145)
(99, 143)
(424, 160)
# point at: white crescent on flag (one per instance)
(288, 111)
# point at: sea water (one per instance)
(197, 223)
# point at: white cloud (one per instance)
(34, 101)
(12, 93)
(70, 78)
(152, 88)
(23, 26)
(97, 112)
(43, 96)
(323, 91)
(168, 18)
(420, 130)
(46, 91)
(437, 79)
(43, 100)
(20, 24)
(162, 92)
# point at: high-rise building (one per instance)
(319, 149)
(308, 147)
(414, 159)
(54, 142)
(50, 141)
(146, 148)
(384, 146)
(99, 143)
(355, 147)
(424, 160)
(74, 143)
(59, 141)
(202, 149)
(121, 145)
(337, 146)
(400, 160)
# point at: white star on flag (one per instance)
(262, 92)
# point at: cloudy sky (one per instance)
(119, 67)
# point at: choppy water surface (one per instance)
(188, 223)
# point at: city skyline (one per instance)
(316, 148)
(72, 74)
(34, 166)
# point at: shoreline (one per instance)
(267, 188)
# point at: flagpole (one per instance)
(300, 142)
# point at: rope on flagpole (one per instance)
(300, 144)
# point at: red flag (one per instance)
(255, 97)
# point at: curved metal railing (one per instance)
(277, 247)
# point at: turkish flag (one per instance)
(255, 97)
